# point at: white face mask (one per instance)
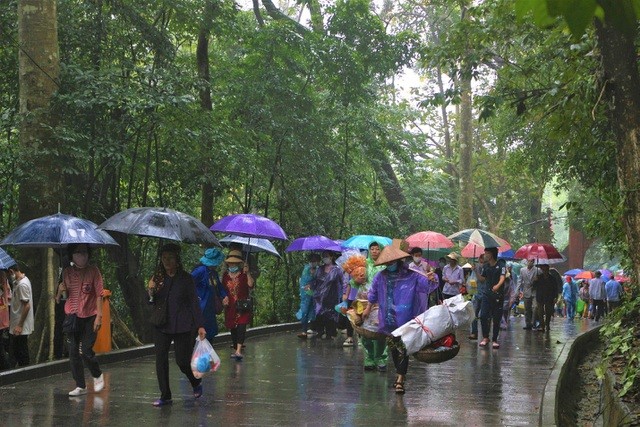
(417, 259)
(326, 260)
(12, 277)
(314, 264)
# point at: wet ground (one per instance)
(288, 382)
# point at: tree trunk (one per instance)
(202, 58)
(132, 286)
(41, 187)
(465, 170)
(619, 60)
(39, 69)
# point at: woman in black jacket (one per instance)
(173, 284)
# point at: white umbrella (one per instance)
(250, 244)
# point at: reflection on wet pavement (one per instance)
(285, 381)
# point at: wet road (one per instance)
(288, 382)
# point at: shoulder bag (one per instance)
(160, 311)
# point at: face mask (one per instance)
(80, 259)
(234, 269)
(417, 259)
(326, 260)
(392, 268)
(441, 264)
(12, 278)
(314, 264)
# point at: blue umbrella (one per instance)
(250, 244)
(362, 241)
(314, 243)
(507, 255)
(5, 260)
(573, 272)
(57, 231)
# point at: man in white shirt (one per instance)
(418, 263)
(21, 317)
(527, 293)
(452, 276)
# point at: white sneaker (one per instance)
(78, 391)
(311, 332)
(98, 383)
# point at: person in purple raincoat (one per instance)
(399, 293)
(327, 289)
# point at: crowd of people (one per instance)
(388, 288)
(396, 286)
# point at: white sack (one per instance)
(461, 311)
(435, 323)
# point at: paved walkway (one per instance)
(288, 382)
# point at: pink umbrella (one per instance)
(542, 253)
(622, 279)
(429, 240)
(473, 251)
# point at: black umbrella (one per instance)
(163, 223)
(57, 231)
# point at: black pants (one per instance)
(599, 307)
(326, 325)
(400, 360)
(491, 312)
(238, 334)
(19, 350)
(4, 349)
(183, 345)
(85, 337)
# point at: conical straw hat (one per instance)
(392, 253)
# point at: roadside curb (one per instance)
(555, 401)
(61, 366)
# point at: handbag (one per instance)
(244, 305)
(160, 311)
(70, 323)
(160, 314)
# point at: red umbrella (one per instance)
(622, 279)
(473, 251)
(429, 240)
(585, 275)
(542, 253)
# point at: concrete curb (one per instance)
(61, 366)
(555, 396)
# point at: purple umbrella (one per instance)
(314, 243)
(249, 225)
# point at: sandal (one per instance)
(484, 342)
(302, 335)
(495, 345)
(473, 337)
(399, 388)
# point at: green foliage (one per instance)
(622, 335)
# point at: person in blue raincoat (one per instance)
(208, 286)
(307, 314)
(399, 293)
(570, 297)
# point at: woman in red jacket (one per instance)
(237, 314)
